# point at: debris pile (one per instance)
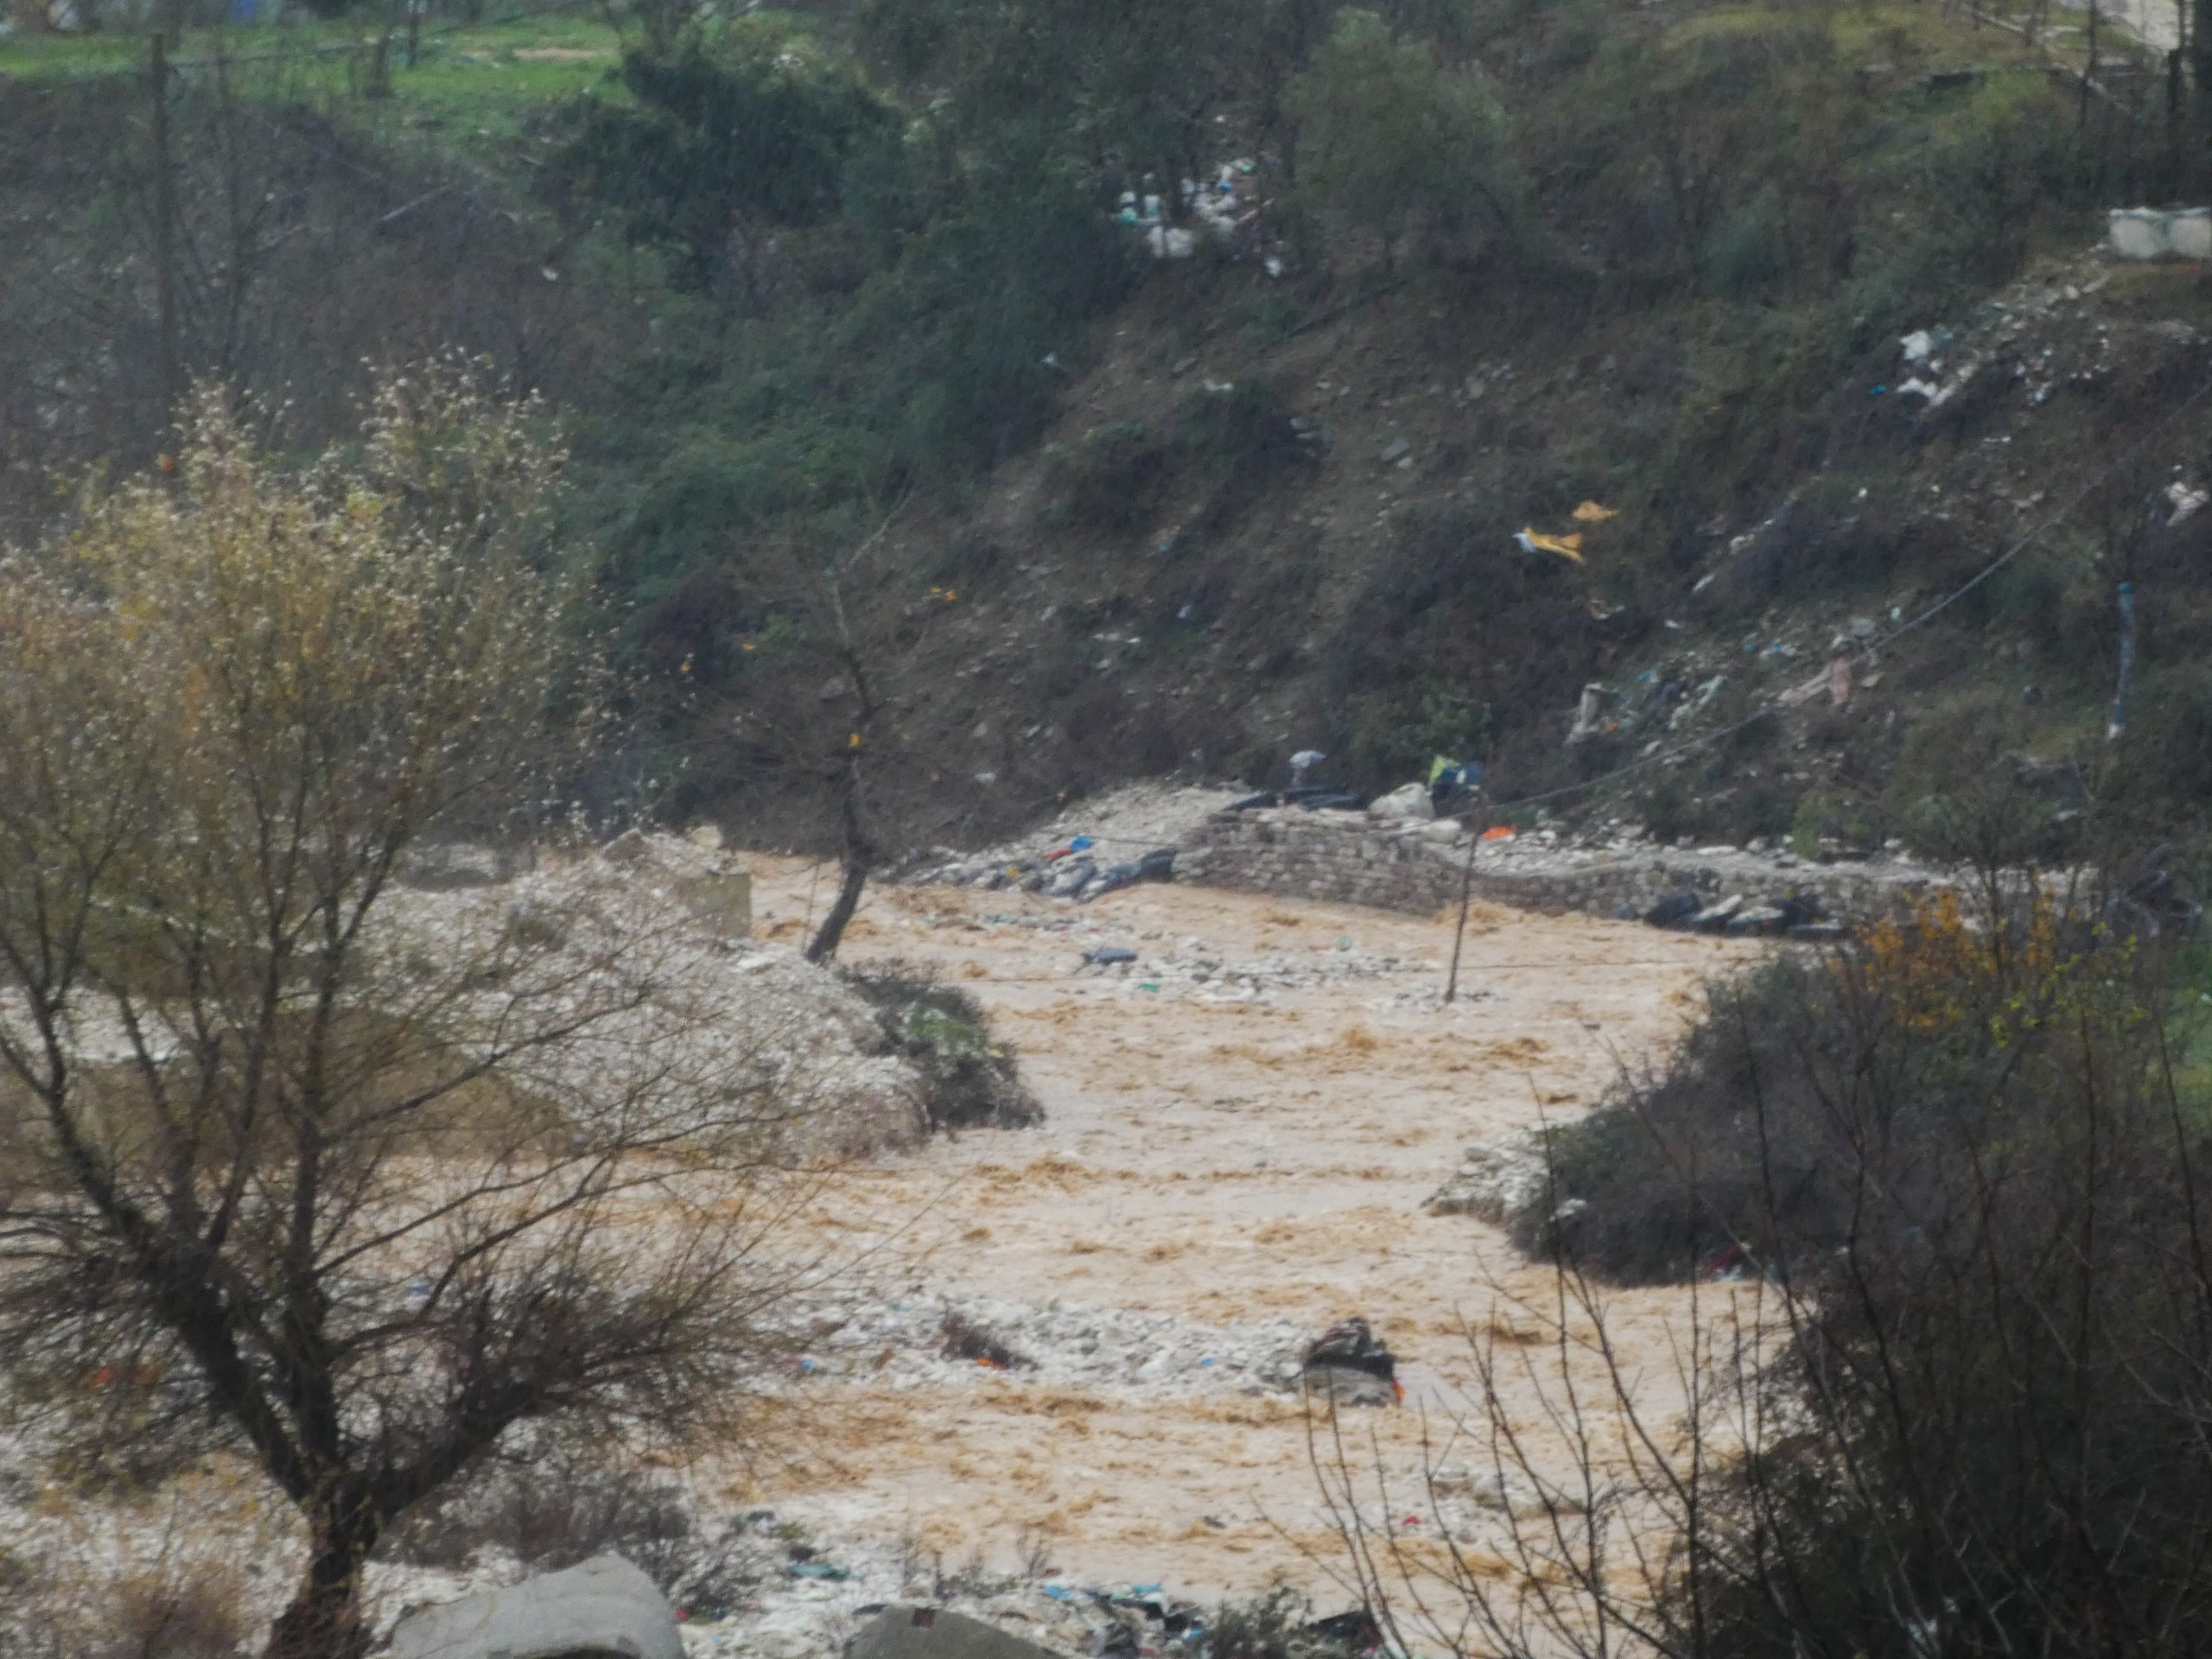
(1119, 840)
(1494, 1180)
(1349, 1367)
(902, 1341)
(641, 938)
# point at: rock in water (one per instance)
(1350, 1367)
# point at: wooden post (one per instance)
(171, 356)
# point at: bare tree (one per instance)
(354, 1178)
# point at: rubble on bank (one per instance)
(1130, 835)
(1393, 856)
(1496, 1180)
(1423, 866)
(654, 925)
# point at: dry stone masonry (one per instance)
(1349, 858)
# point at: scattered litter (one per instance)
(1165, 242)
(962, 1338)
(2152, 233)
(1591, 513)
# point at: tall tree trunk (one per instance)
(856, 857)
(325, 1619)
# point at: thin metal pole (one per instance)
(2117, 727)
(1475, 825)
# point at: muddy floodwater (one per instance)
(1243, 1126)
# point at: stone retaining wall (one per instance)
(1348, 858)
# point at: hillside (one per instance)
(1089, 514)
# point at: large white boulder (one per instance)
(1410, 802)
(603, 1608)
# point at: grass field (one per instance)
(472, 86)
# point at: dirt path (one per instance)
(1230, 1164)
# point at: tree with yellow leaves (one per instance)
(361, 1181)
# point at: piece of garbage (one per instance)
(1498, 832)
(817, 1570)
(1591, 513)
(2186, 502)
(1917, 344)
(1157, 865)
(1446, 777)
(1303, 762)
(961, 1338)
(1838, 680)
(1352, 1368)
(1148, 985)
(1272, 264)
(1106, 955)
(1567, 547)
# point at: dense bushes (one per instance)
(968, 1081)
(749, 135)
(1953, 1405)
(1394, 142)
(1899, 1069)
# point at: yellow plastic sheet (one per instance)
(1567, 547)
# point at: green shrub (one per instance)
(1107, 479)
(968, 1081)
(751, 130)
(1394, 142)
